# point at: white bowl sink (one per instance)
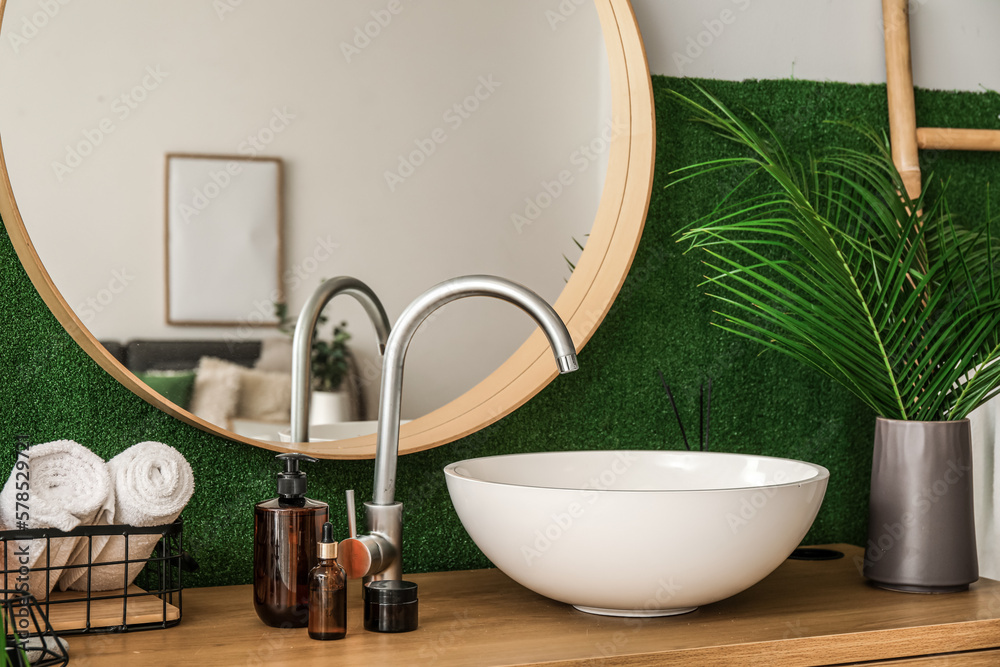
(636, 533)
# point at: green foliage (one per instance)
(330, 360)
(571, 265)
(834, 265)
(9, 638)
(286, 325)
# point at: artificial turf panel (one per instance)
(662, 321)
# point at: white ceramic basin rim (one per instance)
(636, 533)
(605, 471)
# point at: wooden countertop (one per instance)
(805, 613)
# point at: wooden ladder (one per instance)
(905, 136)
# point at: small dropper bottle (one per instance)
(327, 592)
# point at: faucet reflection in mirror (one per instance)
(378, 555)
(305, 329)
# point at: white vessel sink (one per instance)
(636, 533)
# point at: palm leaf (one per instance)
(834, 265)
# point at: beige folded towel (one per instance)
(66, 486)
(151, 483)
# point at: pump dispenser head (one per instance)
(327, 547)
(292, 482)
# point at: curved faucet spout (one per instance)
(387, 447)
(305, 326)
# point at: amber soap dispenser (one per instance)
(327, 592)
(285, 532)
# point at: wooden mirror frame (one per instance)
(583, 303)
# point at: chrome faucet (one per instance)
(302, 341)
(378, 554)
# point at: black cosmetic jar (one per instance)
(390, 606)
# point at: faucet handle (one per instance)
(352, 521)
(368, 555)
(364, 556)
(361, 556)
(357, 557)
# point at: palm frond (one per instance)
(834, 265)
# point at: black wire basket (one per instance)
(28, 636)
(151, 601)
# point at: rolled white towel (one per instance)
(45, 647)
(65, 485)
(151, 483)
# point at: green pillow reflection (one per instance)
(175, 386)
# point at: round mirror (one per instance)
(402, 144)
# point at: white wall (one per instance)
(955, 43)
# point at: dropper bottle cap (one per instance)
(327, 547)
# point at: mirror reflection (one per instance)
(419, 142)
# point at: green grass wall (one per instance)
(762, 403)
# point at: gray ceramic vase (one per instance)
(921, 529)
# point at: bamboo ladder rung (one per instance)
(947, 138)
